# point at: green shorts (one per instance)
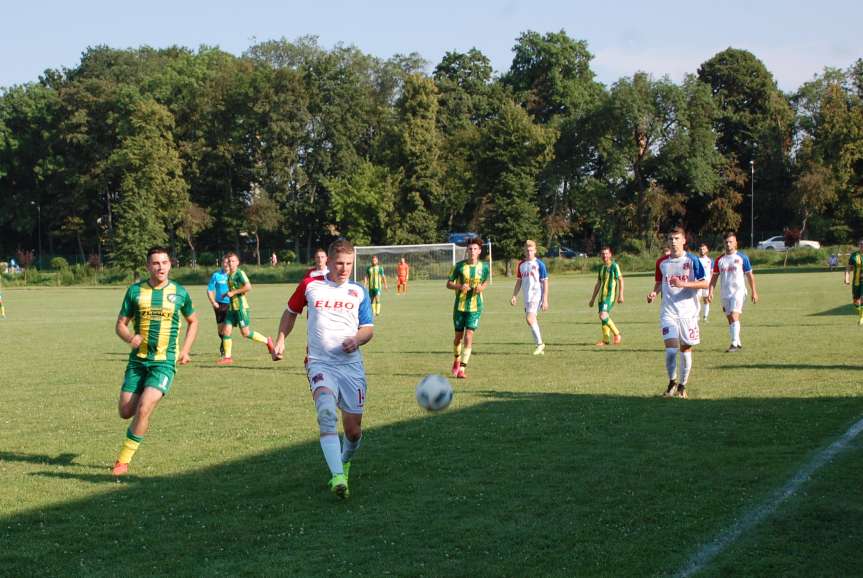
(466, 320)
(374, 293)
(857, 291)
(237, 318)
(606, 306)
(141, 374)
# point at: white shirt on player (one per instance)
(707, 265)
(336, 312)
(731, 270)
(679, 302)
(531, 272)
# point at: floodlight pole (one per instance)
(752, 207)
(39, 221)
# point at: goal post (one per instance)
(431, 261)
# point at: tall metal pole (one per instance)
(39, 218)
(752, 206)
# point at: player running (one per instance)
(468, 279)
(609, 287)
(217, 294)
(679, 276)
(155, 306)
(238, 313)
(402, 275)
(853, 274)
(732, 267)
(531, 276)
(375, 279)
(707, 263)
(340, 321)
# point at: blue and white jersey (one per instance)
(732, 270)
(219, 285)
(336, 312)
(532, 273)
(679, 302)
(707, 263)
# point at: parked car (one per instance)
(460, 239)
(777, 243)
(565, 252)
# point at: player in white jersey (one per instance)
(679, 277)
(340, 321)
(531, 277)
(732, 268)
(707, 264)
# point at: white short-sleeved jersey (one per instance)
(679, 302)
(707, 264)
(532, 273)
(335, 313)
(731, 270)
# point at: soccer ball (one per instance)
(434, 392)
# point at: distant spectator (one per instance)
(273, 259)
(833, 261)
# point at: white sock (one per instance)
(349, 447)
(685, 365)
(332, 453)
(734, 330)
(671, 361)
(534, 328)
(706, 310)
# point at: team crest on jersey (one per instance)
(353, 293)
(317, 377)
(173, 297)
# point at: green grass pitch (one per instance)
(562, 465)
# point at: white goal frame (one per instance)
(364, 253)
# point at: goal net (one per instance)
(433, 261)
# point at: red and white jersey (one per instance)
(731, 270)
(315, 272)
(679, 302)
(532, 273)
(336, 312)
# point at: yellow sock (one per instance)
(859, 311)
(613, 327)
(130, 446)
(2, 310)
(465, 355)
(606, 333)
(255, 336)
(228, 344)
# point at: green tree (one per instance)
(363, 203)
(194, 220)
(262, 215)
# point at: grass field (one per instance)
(568, 464)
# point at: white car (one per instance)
(777, 243)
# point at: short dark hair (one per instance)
(474, 241)
(340, 246)
(230, 254)
(677, 229)
(607, 248)
(730, 234)
(155, 250)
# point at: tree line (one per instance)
(291, 144)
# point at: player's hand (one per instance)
(590, 304)
(675, 281)
(651, 296)
(754, 297)
(620, 300)
(512, 301)
(136, 341)
(709, 298)
(184, 359)
(545, 306)
(350, 345)
(465, 288)
(278, 349)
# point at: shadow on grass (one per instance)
(794, 366)
(64, 459)
(520, 484)
(847, 309)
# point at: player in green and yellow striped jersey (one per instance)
(238, 312)
(854, 277)
(468, 279)
(609, 288)
(375, 279)
(155, 306)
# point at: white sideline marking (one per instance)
(709, 551)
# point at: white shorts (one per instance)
(532, 306)
(703, 293)
(733, 304)
(685, 330)
(347, 381)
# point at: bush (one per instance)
(58, 264)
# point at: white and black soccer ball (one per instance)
(434, 392)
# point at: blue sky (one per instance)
(795, 39)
